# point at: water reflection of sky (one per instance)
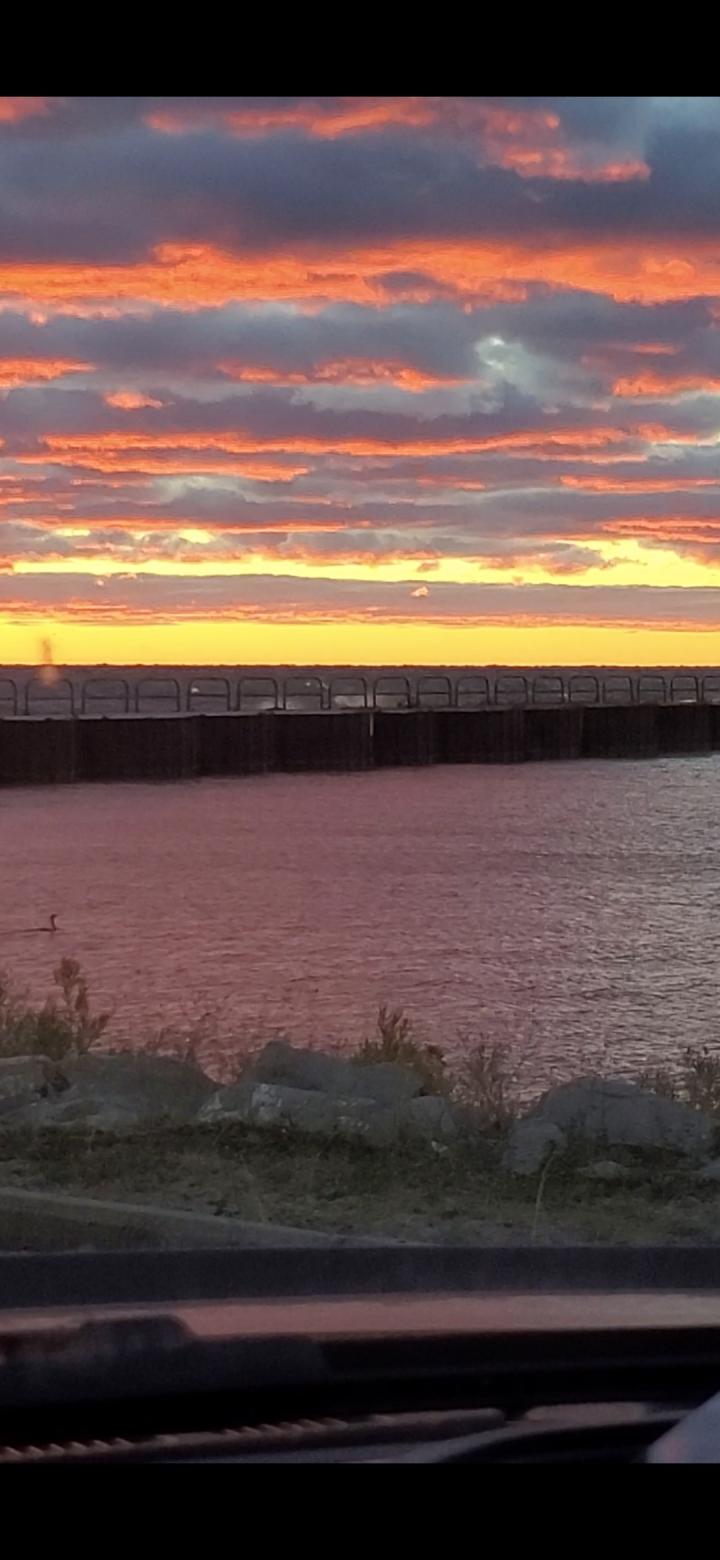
(568, 909)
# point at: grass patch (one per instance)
(405, 1193)
(454, 1191)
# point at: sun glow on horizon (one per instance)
(269, 644)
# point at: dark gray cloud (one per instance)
(67, 195)
(434, 339)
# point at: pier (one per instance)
(61, 750)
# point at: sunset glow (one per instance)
(360, 379)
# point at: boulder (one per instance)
(305, 1110)
(89, 1114)
(615, 1111)
(293, 1067)
(427, 1119)
(710, 1172)
(529, 1145)
(26, 1081)
(128, 1090)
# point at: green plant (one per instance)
(396, 1043)
(61, 1027)
(486, 1081)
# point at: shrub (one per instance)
(701, 1078)
(188, 1041)
(396, 1043)
(696, 1080)
(486, 1081)
(63, 1026)
(660, 1080)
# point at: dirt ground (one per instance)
(411, 1195)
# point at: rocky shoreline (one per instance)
(321, 1143)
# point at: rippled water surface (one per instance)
(569, 908)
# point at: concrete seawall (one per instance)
(184, 747)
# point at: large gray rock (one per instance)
(614, 1111)
(113, 1093)
(305, 1110)
(26, 1081)
(74, 1112)
(425, 1119)
(529, 1144)
(295, 1068)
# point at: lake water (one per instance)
(568, 909)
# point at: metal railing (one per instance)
(298, 692)
(9, 702)
(259, 699)
(47, 698)
(301, 693)
(156, 691)
(220, 688)
(104, 691)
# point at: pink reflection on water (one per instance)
(566, 908)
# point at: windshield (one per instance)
(359, 663)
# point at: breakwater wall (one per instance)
(185, 747)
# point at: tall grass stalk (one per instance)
(62, 1026)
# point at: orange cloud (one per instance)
(350, 116)
(117, 446)
(28, 371)
(501, 121)
(130, 400)
(669, 484)
(345, 371)
(664, 528)
(531, 142)
(660, 433)
(15, 109)
(655, 384)
(203, 276)
(528, 140)
(121, 454)
(562, 163)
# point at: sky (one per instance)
(382, 380)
